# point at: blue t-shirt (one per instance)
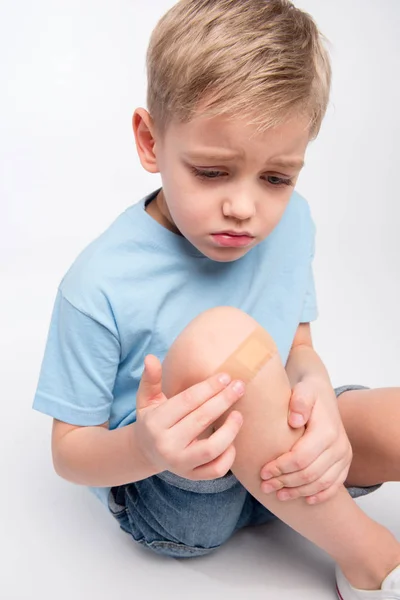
(136, 287)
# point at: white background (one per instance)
(71, 75)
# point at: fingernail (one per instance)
(225, 379)
(284, 496)
(238, 387)
(238, 418)
(267, 489)
(266, 476)
(297, 418)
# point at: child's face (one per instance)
(241, 194)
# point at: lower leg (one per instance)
(365, 550)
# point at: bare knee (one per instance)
(203, 346)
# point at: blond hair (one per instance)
(262, 59)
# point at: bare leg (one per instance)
(372, 422)
(365, 550)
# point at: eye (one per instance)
(278, 181)
(206, 174)
(272, 179)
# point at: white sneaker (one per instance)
(390, 588)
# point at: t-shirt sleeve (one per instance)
(310, 308)
(79, 367)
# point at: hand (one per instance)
(318, 464)
(167, 429)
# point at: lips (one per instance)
(233, 239)
(235, 233)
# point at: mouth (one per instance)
(235, 233)
(233, 239)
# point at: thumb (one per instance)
(301, 404)
(150, 389)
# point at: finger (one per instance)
(150, 382)
(301, 404)
(195, 423)
(218, 467)
(206, 451)
(323, 496)
(329, 493)
(305, 451)
(189, 400)
(306, 476)
(331, 477)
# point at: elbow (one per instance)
(59, 462)
(59, 447)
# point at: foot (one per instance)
(390, 588)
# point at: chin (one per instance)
(225, 256)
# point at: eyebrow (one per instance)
(276, 161)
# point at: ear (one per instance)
(143, 129)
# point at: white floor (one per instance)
(57, 541)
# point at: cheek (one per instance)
(271, 214)
(196, 212)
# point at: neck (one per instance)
(158, 209)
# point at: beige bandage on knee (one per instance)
(249, 358)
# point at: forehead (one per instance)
(236, 138)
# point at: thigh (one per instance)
(179, 517)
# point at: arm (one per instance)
(96, 456)
(303, 363)
(76, 386)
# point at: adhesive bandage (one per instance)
(249, 358)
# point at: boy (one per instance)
(212, 274)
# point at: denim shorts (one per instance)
(182, 518)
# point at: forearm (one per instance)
(304, 364)
(96, 456)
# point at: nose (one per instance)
(239, 206)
